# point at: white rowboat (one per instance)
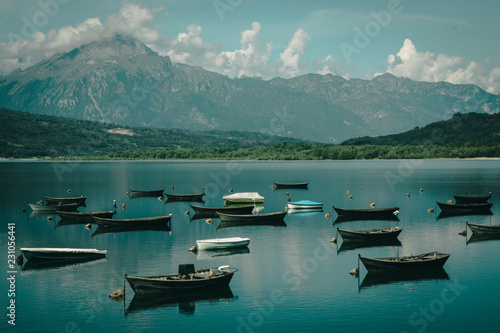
(222, 243)
(305, 204)
(244, 197)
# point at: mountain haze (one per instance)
(120, 80)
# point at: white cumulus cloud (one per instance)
(190, 48)
(253, 58)
(31, 46)
(250, 60)
(290, 60)
(427, 66)
(330, 65)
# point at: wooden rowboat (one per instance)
(484, 228)
(243, 197)
(57, 201)
(185, 197)
(291, 185)
(471, 198)
(417, 262)
(384, 233)
(155, 220)
(371, 212)
(222, 243)
(146, 193)
(212, 211)
(52, 208)
(186, 279)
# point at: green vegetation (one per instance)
(26, 135)
(466, 128)
(285, 151)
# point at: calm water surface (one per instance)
(290, 279)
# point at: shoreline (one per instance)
(70, 160)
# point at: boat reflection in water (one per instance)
(184, 300)
(74, 218)
(373, 279)
(445, 213)
(354, 244)
(32, 265)
(478, 237)
(212, 254)
(270, 223)
(346, 218)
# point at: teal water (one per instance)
(290, 279)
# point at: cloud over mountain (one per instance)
(254, 57)
(427, 66)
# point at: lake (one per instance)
(291, 278)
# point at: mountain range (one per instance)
(120, 80)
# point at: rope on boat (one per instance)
(227, 269)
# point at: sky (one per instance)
(455, 41)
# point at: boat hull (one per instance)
(150, 193)
(291, 185)
(56, 201)
(62, 254)
(212, 211)
(156, 220)
(485, 229)
(173, 283)
(374, 234)
(373, 212)
(424, 261)
(222, 243)
(53, 208)
(471, 198)
(185, 197)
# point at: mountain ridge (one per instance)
(121, 80)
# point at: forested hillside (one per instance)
(468, 128)
(24, 135)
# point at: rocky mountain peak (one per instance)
(113, 48)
